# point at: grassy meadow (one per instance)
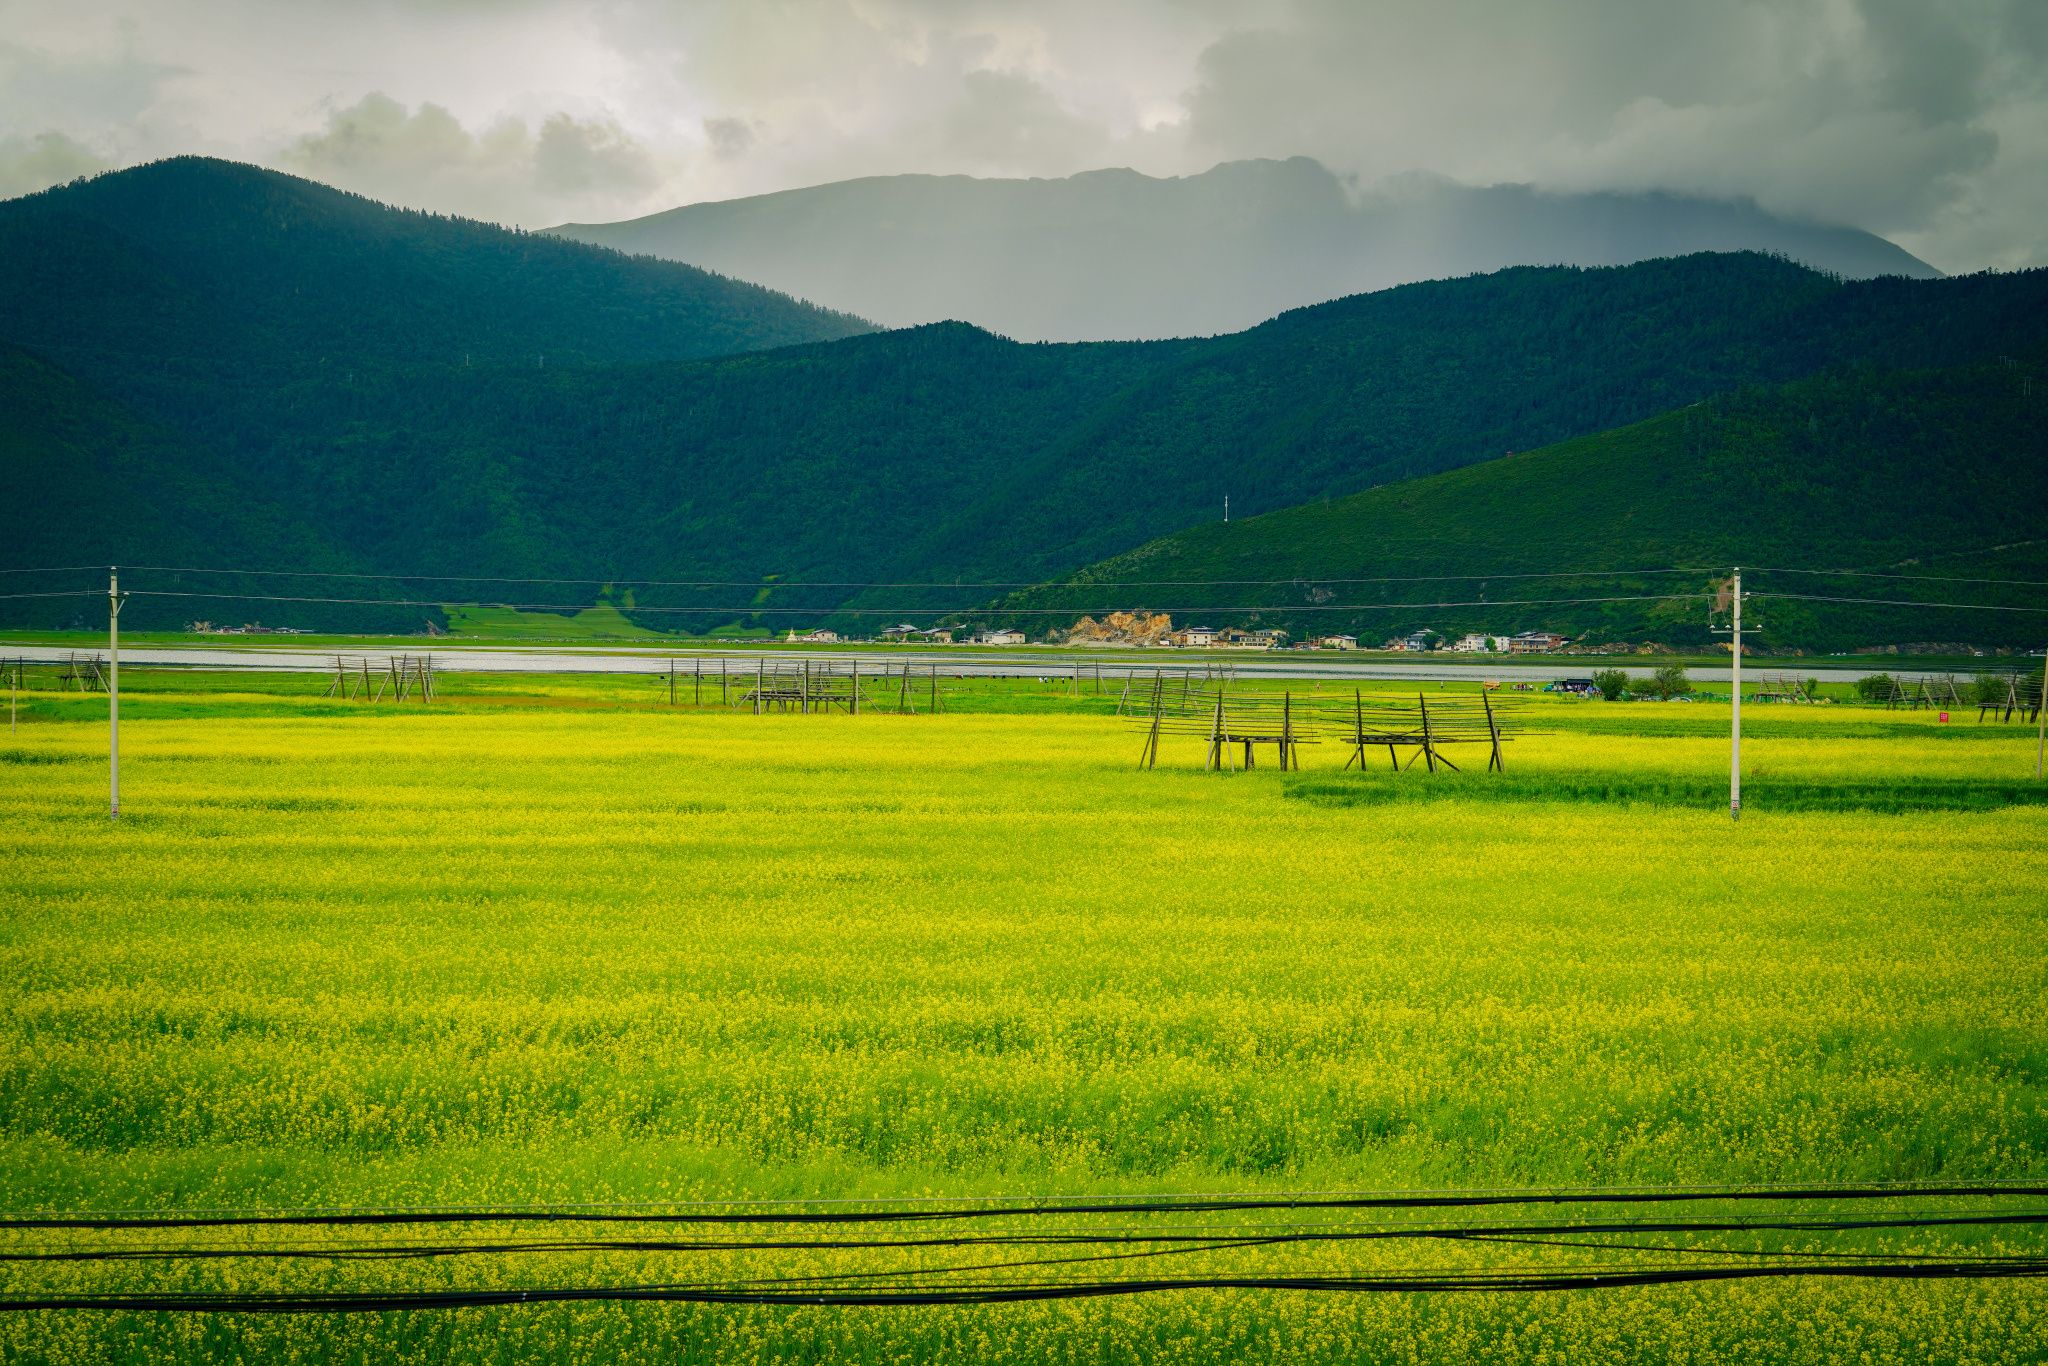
(551, 941)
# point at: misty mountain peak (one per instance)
(1117, 254)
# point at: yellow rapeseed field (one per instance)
(488, 955)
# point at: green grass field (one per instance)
(553, 942)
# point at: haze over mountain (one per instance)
(1114, 254)
(406, 422)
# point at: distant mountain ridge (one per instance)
(573, 434)
(1112, 254)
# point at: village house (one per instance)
(1197, 637)
(905, 633)
(1414, 640)
(821, 636)
(1537, 642)
(1479, 643)
(1003, 636)
(1335, 642)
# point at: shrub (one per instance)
(1670, 681)
(1874, 687)
(1989, 688)
(1612, 683)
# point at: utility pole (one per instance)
(1226, 509)
(1735, 698)
(1734, 629)
(2041, 718)
(113, 694)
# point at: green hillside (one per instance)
(417, 395)
(1931, 472)
(85, 475)
(211, 269)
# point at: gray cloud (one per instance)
(1927, 122)
(35, 163)
(730, 138)
(1881, 113)
(425, 157)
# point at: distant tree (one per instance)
(1612, 683)
(1670, 681)
(1874, 687)
(1990, 688)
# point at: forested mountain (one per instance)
(218, 270)
(1118, 255)
(1940, 473)
(796, 476)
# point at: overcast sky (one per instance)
(1923, 120)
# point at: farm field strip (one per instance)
(481, 955)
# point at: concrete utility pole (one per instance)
(1735, 725)
(113, 694)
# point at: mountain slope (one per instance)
(1115, 254)
(91, 482)
(1862, 468)
(943, 454)
(227, 269)
(1383, 387)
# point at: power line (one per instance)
(1216, 1235)
(1897, 602)
(1049, 584)
(1913, 578)
(1016, 1292)
(751, 609)
(956, 583)
(1034, 1206)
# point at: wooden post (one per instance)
(1216, 735)
(1151, 755)
(935, 688)
(1493, 728)
(1286, 731)
(671, 682)
(697, 697)
(760, 682)
(855, 703)
(1428, 749)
